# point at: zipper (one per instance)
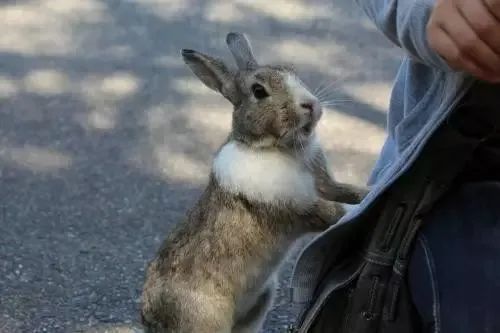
(391, 229)
(294, 328)
(304, 322)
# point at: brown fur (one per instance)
(217, 253)
(215, 272)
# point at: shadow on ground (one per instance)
(106, 139)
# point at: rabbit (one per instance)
(269, 185)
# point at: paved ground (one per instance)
(106, 138)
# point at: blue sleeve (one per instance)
(404, 23)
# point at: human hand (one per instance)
(466, 33)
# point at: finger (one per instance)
(467, 41)
(493, 7)
(483, 22)
(444, 45)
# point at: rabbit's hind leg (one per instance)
(207, 314)
(196, 312)
(252, 321)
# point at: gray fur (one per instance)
(213, 72)
(215, 271)
(240, 47)
(330, 189)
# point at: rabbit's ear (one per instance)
(213, 73)
(240, 47)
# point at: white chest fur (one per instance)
(265, 176)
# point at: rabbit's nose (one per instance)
(308, 105)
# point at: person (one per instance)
(449, 278)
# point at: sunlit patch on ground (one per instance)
(36, 159)
(46, 82)
(288, 10)
(46, 27)
(374, 94)
(8, 87)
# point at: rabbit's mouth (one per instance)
(307, 128)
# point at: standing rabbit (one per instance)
(268, 185)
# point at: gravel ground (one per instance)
(106, 138)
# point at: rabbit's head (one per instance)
(272, 107)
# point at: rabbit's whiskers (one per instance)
(335, 101)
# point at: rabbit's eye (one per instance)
(259, 91)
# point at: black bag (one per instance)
(377, 299)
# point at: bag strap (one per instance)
(375, 304)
